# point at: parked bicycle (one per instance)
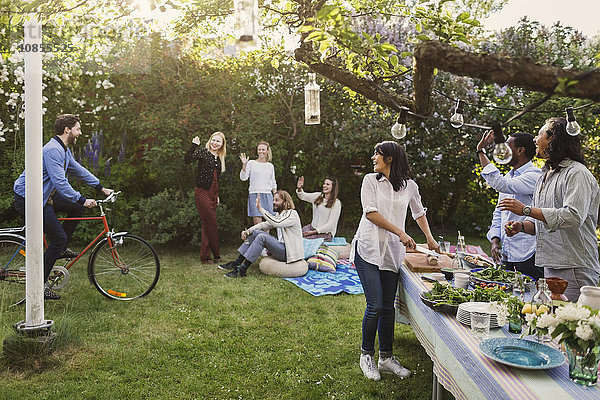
(121, 266)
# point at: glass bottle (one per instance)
(542, 303)
(460, 251)
(312, 107)
(246, 23)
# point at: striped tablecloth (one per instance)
(461, 367)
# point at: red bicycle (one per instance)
(121, 266)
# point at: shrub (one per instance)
(171, 217)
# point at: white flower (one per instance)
(594, 321)
(584, 331)
(107, 85)
(545, 321)
(572, 312)
(529, 318)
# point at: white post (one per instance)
(34, 284)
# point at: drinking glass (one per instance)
(480, 324)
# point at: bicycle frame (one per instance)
(106, 231)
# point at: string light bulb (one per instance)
(573, 127)
(457, 120)
(502, 153)
(399, 129)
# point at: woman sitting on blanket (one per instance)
(326, 209)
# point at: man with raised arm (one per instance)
(518, 183)
(286, 247)
(58, 194)
(564, 211)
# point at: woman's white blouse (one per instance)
(262, 177)
(324, 220)
(377, 245)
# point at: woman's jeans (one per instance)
(380, 292)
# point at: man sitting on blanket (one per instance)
(287, 247)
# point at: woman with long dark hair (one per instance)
(378, 249)
(564, 212)
(211, 162)
(326, 209)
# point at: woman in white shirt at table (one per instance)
(326, 209)
(379, 247)
(262, 180)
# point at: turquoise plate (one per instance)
(522, 353)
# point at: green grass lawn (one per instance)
(200, 335)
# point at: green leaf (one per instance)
(423, 37)
(316, 35)
(306, 28)
(463, 16)
(394, 60)
(388, 47)
(326, 11)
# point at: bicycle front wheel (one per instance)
(12, 270)
(126, 271)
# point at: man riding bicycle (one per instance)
(59, 195)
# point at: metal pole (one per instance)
(34, 284)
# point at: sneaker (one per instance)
(391, 366)
(51, 295)
(236, 272)
(68, 253)
(369, 369)
(264, 253)
(229, 266)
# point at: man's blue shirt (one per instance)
(516, 184)
(58, 161)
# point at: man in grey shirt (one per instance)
(564, 212)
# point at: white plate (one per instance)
(463, 314)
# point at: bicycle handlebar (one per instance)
(111, 198)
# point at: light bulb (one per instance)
(457, 120)
(573, 127)
(398, 130)
(502, 153)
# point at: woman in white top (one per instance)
(326, 209)
(262, 180)
(378, 249)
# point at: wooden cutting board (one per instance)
(417, 262)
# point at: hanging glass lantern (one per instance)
(312, 107)
(246, 23)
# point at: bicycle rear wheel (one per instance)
(128, 270)
(12, 270)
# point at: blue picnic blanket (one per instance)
(345, 279)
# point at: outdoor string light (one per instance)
(573, 127)
(457, 120)
(502, 153)
(399, 129)
(312, 107)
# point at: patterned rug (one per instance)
(345, 279)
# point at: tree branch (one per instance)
(390, 99)
(520, 72)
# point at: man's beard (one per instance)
(277, 207)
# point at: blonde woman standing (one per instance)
(262, 180)
(211, 162)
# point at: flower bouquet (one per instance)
(578, 327)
